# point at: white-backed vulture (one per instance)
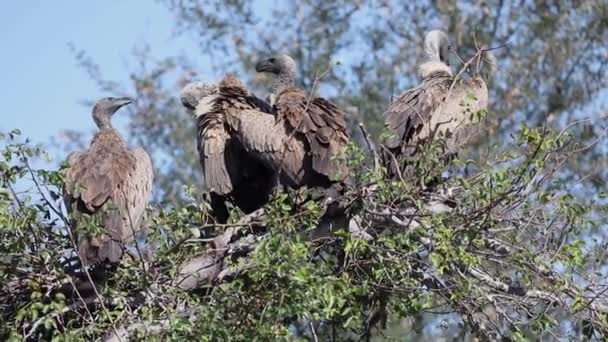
(316, 129)
(440, 106)
(230, 172)
(110, 183)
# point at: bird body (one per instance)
(230, 172)
(441, 106)
(110, 183)
(315, 129)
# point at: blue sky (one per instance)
(42, 84)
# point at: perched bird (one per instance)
(230, 172)
(315, 130)
(109, 183)
(441, 106)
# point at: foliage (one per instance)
(502, 250)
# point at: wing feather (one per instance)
(212, 140)
(322, 125)
(269, 141)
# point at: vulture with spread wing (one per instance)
(230, 172)
(111, 184)
(441, 106)
(314, 130)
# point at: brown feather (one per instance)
(230, 172)
(321, 125)
(432, 110)
(112, 182)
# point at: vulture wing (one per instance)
(323, 126)
(219, 155)
(268, 140)
(230, 171)
(461, 113)
(212, 141)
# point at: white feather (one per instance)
(429, 67)
(204, 105)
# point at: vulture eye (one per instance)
(271, 60)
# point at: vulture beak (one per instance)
(118, 103)
(123, 101)
(264, 65)
(188, 102)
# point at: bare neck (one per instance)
(284, 80)
(102, 120)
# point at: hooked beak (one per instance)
(188, 102)
(264, 66)
(123, 101)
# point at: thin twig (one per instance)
(370, 146)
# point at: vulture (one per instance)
(230, 172)
(441, 106)
(110, 184)
(309, 133)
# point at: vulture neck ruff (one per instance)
(205, 105)
(428, 68)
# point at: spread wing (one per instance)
(323, 126)
(219, 155)
(409, 116)
(268, 141)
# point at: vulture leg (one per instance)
(219, 208)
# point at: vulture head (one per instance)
(194, 92)
(280, 64)
(437, 48)
(106, 107)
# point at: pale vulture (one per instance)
(315, 130)
(440, 106)
(229, 171)
(110, 184)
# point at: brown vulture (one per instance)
(313, 130)
(230, 172)
(441, 106)
(109, 183)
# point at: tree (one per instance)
(507, 252)
(511, 247)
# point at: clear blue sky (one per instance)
(42, 84)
